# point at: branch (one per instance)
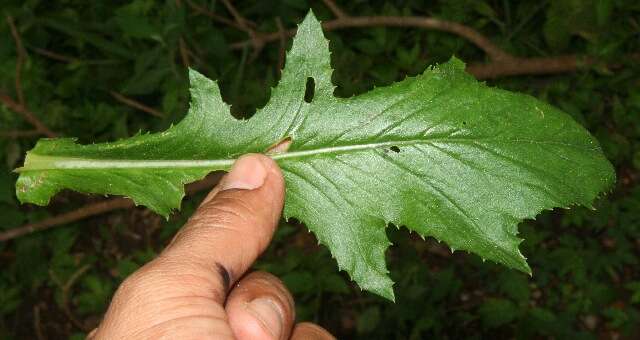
(136, 104)
(22, 55)
(66, 59)
(240, 20)
(53, 55)
(494, 52)
(521, 66)
(184, 53)
(255, 39)
(20, 106)
(37, 324)
(27, 114)
(94, 209)
(337, 11)
(283, 45)
(212, 15)
(501, 63)
(66, 288)
(72, 216)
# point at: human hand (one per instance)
(195, 288)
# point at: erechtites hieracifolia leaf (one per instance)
(439, 153)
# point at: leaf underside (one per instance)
(439, 153)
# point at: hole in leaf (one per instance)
(309, 90)
(394, 149)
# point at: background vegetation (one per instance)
(103, 70)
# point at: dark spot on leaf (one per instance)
(394, 149)
(464, 123)
(309, 90)
(224, 276)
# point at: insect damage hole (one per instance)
(395, 149)
(310, 89)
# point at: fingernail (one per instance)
(247, 173)
(269, 314)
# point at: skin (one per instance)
(198, 287)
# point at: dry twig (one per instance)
(22, 55)
(243, 23)
(184, 53)
(494, 52)
(37, 324)
(53, 55)
(522, 66)
(136, 104)
(335, 9)
(93, 209)
(256, 39)
(212, 15)
(501, 63)
(283, 45)
(66, 59)
(27, 114)
(83, 212)
(66, 289)
(20, 106)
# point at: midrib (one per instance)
(43, 162)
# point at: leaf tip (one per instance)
(456, 63)
(193, 74)
(309, 19)
(454, 68)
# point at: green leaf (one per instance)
(440, 153)
(6, 193)
(66, 27)
(497, 312)
(368, 320)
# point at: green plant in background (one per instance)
(440, 153)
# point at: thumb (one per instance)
(232, 226)
(216, 246)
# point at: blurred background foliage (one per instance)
(586, 276)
